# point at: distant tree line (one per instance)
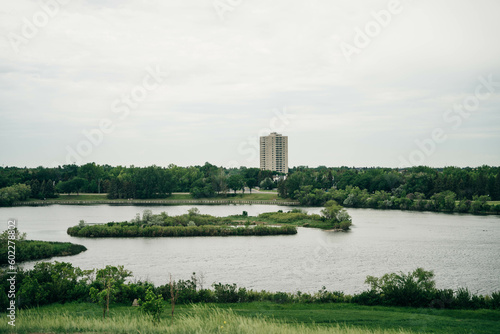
(302, 183)
(128, 182)
(450, 189)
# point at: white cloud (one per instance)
(227, 76)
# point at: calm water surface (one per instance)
(463, 250)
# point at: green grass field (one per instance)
(74, 197)
(299, 223)
(376, 317)
(256, 317)
(178, 197)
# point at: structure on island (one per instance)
(274, 153)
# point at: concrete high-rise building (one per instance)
(274, 152)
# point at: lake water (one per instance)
(463, 250)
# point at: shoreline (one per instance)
(209, 202)
(155, 201)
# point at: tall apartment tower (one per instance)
(274, 152)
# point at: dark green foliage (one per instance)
(370, 298)
(415, 188)
(125, 230)
(235, 182)
(286, 217)
(335, 215)
(162, 225)
(152, 304)
(267, 184)
(335, 218)
(226, 293)
(417, 289)
(367, 187)
(413, 289)
(60, 282)
(75, 185)
(14, 193)
(29, 250)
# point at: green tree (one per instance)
(251, 176)
(336, 215)
(444, 201)
(72, 186)
(33, 292)
(219, 181)
(49, 191)
(111, 280)
(14, 193)
(152, 305)
(64, 187)
(35, 189)
(235, 182)
(104, 296)
(267, 184)
(77, 184)
(495, 195)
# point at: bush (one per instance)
(225, 293)
(281, 297)
(369, 298)
(415, 289)
(152, 305)
(463, 299)
(495, 300)
(443, 299)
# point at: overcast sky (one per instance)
(356, 83)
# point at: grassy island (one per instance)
(30, 250)
(126, 229)
(187, 225)
(196, 224)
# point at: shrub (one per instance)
(463, 298)
(152, 305)
(415, 289)
(225, 293)
(495, 300)
(369, 298)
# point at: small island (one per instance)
(31, 250)
(194, 223)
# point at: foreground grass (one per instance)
(376, 317)
(258, 317)
(84, 318)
